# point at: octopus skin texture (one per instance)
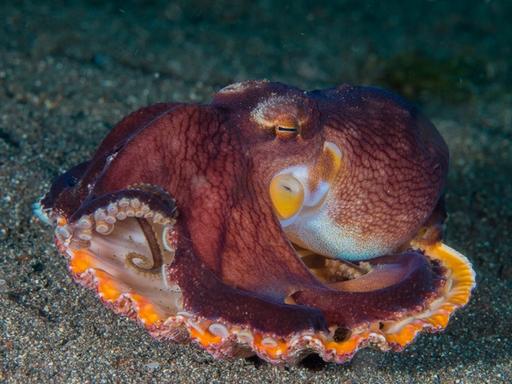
(272, 221)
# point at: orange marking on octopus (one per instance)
(61, 221)
(448, 308)
(81, 260)
(348, 346)
(272, 351)
(145, 309)
(107, 287)
(459, 299)
(405, 335)
(205, 338)
(439, 321)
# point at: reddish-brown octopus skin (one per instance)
(212, 165)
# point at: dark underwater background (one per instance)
(69, 70)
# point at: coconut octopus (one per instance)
(272, 221)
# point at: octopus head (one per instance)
(353, 173)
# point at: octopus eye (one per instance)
(284, 132)
(287, 195)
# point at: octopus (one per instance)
(272, 221)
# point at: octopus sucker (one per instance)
(272, 221)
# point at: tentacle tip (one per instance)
(42, 213)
